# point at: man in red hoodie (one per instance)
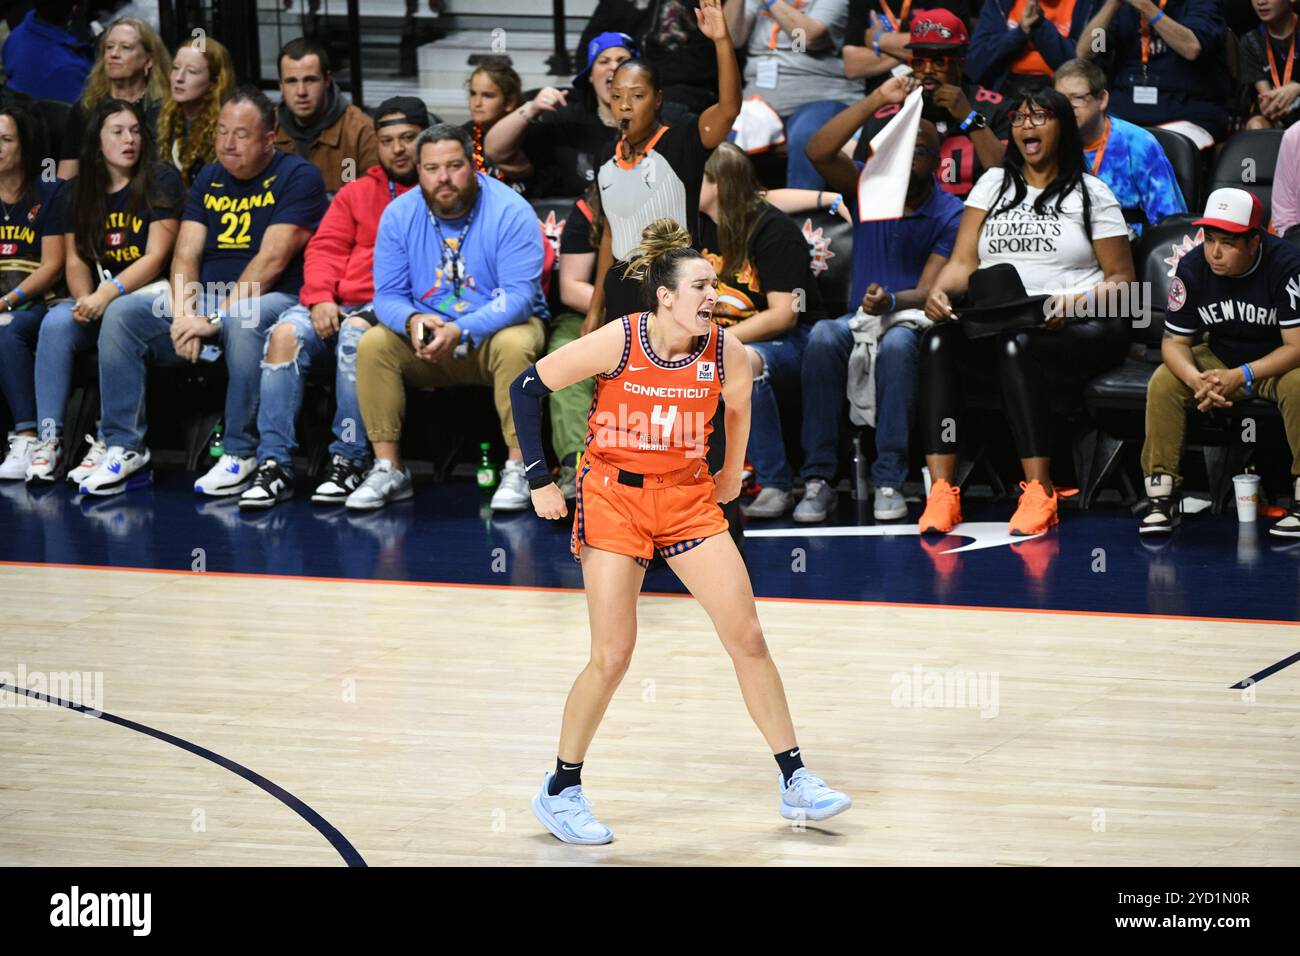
(334, 312)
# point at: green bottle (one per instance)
(216, 443)
(487, 472)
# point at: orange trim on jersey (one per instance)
(618, 150)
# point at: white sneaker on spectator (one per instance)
(229, 476)
(770, 503)
(117, 472)
(46, 458)
(94, 455)
(16, 463)
(513, 494)
(383, 484)
(888, 504)
(818, 500)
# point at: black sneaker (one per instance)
(1162, 513)
(1289, 526)
(343, 478)
(270, 486)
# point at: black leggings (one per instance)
(1030, 365)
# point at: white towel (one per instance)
(882, 186)
(758, 127)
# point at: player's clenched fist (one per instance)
(548, 501)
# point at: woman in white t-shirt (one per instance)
(1063, 231)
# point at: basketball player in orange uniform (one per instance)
(643, 487)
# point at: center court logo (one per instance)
(77, 909)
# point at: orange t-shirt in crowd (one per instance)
(1059, 12)
(650, 416)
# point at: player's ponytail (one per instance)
(665, 245)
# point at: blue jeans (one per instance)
(800, 126)
(282, 387)
(18, 363)
(137, 334)
(782, 361)
(62, 337)
(825, 385)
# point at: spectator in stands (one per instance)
(1018, 44)
(1125, 157)
(1061, 228)
(1168, 62)
(794, 69)
(668, 34)
(31, 266)
(557, 140)
(657, 170)
(1267, 58)
(494, 91)
(43, 58)
(894, 264)
(133, 66)
(316, 121)
(120, 218)
(1284, 199)
(1238, 287)
(569, 407)
(237, 268)
(972, 121)
(458, 267)
(336, 308)
(202, 77)
(767, 298)
(878, 32)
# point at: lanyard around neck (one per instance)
(1272, 61)
(1101, 150)
(451, 254)
(895, 21)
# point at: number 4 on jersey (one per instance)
(664, 420)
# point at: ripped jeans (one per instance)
(282, 387)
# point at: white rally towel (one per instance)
(758, 128)
(882, 187)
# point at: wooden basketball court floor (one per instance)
(411, 723)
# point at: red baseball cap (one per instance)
(937, 29)
(1232, 210)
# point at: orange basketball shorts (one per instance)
(669, 513)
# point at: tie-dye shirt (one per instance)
(1138, 172)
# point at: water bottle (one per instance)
(859, 479)
(216, 442)
(487, 472)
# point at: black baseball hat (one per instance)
(412, 109)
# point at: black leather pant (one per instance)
(1029, 366)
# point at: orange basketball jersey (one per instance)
(650, 416)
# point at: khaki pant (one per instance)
(387, 366)
(1169, 400)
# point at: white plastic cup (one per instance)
(1247, 490)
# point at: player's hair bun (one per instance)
(657, 239)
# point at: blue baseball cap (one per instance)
(599, 44)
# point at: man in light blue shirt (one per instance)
(458, 266)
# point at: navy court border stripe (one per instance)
(1271, 669)
(326, 829)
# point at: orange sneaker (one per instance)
(942, 509)
(1037, 512)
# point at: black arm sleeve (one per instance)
(526, 394)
